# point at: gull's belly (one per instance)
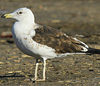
(28, 46)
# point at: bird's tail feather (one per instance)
(93, 51)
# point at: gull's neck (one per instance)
(25, 25)
(27, 21)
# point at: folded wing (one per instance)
(59, 41)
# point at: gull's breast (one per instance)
(28, 46)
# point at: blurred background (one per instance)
(74, 17)
(77, 18)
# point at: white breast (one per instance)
(23, 40)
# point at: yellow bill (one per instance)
(7, 16)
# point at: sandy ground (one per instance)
(79, 19)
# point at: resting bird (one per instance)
(43, 42)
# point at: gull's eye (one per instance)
(20, 12)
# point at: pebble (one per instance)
(68, 81)
(61, 81)
(10, 40)
(1, 62)
(13, 57)
(10, 72)
(2, 41)
(55, 21)
(25, 56)
(18, 71)
(99, 82)
(1, 81)
(6, 34)
(17, 61)
(98, 73)
(40, 7)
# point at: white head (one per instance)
(21, 15)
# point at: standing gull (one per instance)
(43, 42)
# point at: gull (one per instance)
(43, 42)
